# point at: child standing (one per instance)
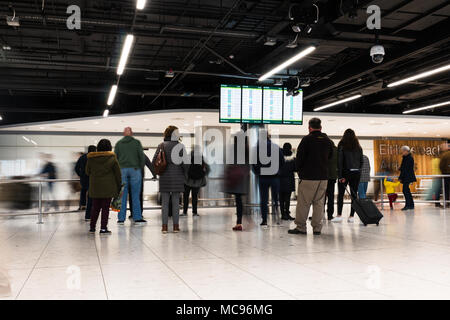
(390, 185)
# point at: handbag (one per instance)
(116, 203)
(160, 162)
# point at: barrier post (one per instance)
(382, 193)
(444, 193)
(40, 220)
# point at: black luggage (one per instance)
(367, 211)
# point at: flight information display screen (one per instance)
(252, 104)
(230, 104)
(293, 109)
(273, 105)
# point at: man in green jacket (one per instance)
(130, 155)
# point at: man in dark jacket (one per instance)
(268, 171)
(407, 177)
(80, 170)
(313, 155)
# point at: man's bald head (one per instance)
(128, 132)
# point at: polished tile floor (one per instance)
(406, 257)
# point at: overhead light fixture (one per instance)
(270, 41)
(112, 95)
(1, 118)
(288, 62)
(170, 74)
(6, 48)
(141, 4)
(420, 76)
(125, 54)
(338, 102)
(106, 113)
(12, 21)
(437, 105)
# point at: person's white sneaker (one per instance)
(337, 219)
(351, 220)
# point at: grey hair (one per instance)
(406, 148)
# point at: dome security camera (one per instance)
(377, 53)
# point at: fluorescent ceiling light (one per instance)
(106, 113)
(427, 107)
(125, 54)
(287, 63)
(141, 4)
(112, 95)
(338, 102)
(420, 76)
(1, 118)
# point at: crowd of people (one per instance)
(318, 162)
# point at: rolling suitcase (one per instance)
(367, 211)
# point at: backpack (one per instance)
(160, 162)
(196, 172)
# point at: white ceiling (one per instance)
(334, 124)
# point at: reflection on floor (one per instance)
(407, 257)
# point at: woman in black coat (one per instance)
(287, 181)
(407, 176)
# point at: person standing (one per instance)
(130, 155)
(407, 176)
(331, 185)
(105, 182)
(49, 172)
(194, 180)
(444, 165)
(149, 165)
(313, 155)
(171, 181)
(287, 181)
(80, 170)
(268, 174)
(365, 178)
(350, 162)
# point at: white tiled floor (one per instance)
(406, 257)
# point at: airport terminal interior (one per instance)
(75, 74)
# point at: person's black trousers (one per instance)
(239, 207)
(285, 203)
(408, 196)
(187, 191)
(447, 191)
(351, 180)
(329, 196)
(83, 195)
(87, 215)
(266, 183)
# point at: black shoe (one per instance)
(291, 218)
(91, 230)
(330, 218)
(264, 223)
(286, 218)
(120, 222)
(317, 233)
(196, 215)
(142, 221)
(105, 232)
(405, 208)
(296, 231)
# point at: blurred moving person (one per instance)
(271, 178)
(236, 176)
(445, 169)
(171, 180)
(434, 193)
(313, 156)
(407, 176)
(195, 178)
(350, 162)
(105, 182)
(80, 169)
(390, 184)
(365, 178)
(130, 155)
(331, 185)
(287, 181)
(48, 171)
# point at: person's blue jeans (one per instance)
(362, 190)
(408, 196)
(132, 179)
(266, 182)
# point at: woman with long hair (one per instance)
(350, 163)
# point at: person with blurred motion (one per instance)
(287, 181)
(313, 155)
(130, 155)
(268, 173)
(236, 174)
(331, 184)
(350, 163)
(407, 176)
(436, 184)
(195, 178)
(80, 169)
(48, 171)
(390, 184)
(365, 178)
(445, 169)
(105, 182)
(171, 180)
